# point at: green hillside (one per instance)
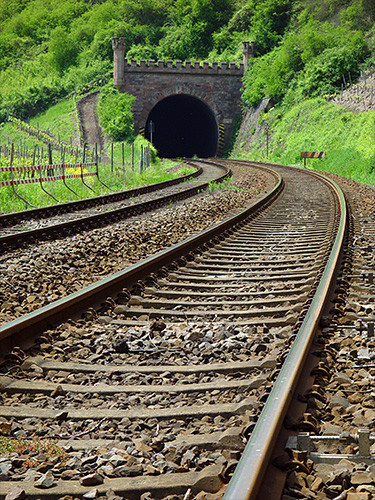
(303, 48)
(49, 48)
(348, 138)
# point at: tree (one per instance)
(62, 51)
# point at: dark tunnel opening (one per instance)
(182, 126)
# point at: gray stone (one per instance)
(45, 481)
(5, 467)
(342, 378)
(91, 494)
(359, 478)
(325, 471)
(92, 480)
(16, 493)
(69, 474)
(331, 429)
(128, 471)
(117, 460)
(338, 401)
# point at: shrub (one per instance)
(115, 114)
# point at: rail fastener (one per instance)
(304, 441)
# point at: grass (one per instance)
(348, 138)
(60, 120)
(33, 447)
(118, 180)
(226, 184)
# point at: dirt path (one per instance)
(89, 121)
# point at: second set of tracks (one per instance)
(38, 224)
(154, 379)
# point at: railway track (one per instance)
(175, 361)
(336, 449)
(21, 228)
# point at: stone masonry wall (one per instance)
(217, 85)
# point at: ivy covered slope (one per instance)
(321, 53)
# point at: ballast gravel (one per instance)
(33, 277)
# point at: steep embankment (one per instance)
(360, 96)
(343, 127)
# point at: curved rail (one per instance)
(248, 475)
(43, 212)
(15, 240)
(32, 324)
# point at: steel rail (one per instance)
(15, 240)
(74, 206)
(32, 324)
(249, 472)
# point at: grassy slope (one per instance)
(348, 139)
(60, 120)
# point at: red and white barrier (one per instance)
(15, 182)
(46, 167)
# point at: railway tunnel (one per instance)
(193, 105)
(182, 126)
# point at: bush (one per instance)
(115, 114)
(326, 73)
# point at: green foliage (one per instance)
(30, 449)
(63, 53)
(50, 48)
(122, 177)
(309, 61)
(59, 120)
(315, 125)
(328, 71)
(115, 114)
(189, 33)
(225, 185)
(269, 22)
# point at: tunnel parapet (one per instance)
(187, 67)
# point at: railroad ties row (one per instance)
(44, 272)
(156, 392)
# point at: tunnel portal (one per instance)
(182, 126)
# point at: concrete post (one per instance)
(118, 46)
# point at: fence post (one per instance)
(141, 162)
(81, 165)
(33, 161)
(50, 161)
(111, 156)
(97, 167)
(133, 156)
(12, 176)
(123, 156)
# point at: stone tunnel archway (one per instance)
(183, 126)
